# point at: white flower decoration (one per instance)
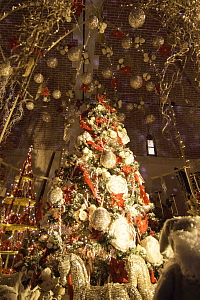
(117, 185)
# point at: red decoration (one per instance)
(126, 70)
(101, 100)
(152, 277)
(95, 146)
(96, 234)
(45, 91)
(77, 7)
(39, 212)
(115, 83)
(67, 194)
(143, 195)
(117, 271)
(78, 104)
(142, 223)
(38, 52)
(117, 199)
(87, 179)
(13, 43)
(164, 50)
(117, 33)
(84, 87)
(127, 170)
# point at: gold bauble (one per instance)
(5, 69)
(136, 17)
(92, 22)
(100, 219)
(46, 117)
(150, 86)
(107, 73)
(136, 82)
(56, 94)
(30, 105)
(86, 78)
(74, 54)
(52, 62)
(127, 42)
(38, 78)
(150, 119)
(158, 41)
(108, 159)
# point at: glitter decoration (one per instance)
(126, 42)
(123, 233)
(107, 73)
(150, 86)
(56, 196)
(92, 22)
(136, 17)
(56, 94)
(108, 159)
(52, 62)
(100, 219)
(38, 78)
(74, 54)
(136, 82)
(86, 78)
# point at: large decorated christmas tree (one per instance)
(98, 212)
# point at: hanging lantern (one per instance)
(150, 86)
(108, 159)
(56, 94)
(136, 17)
(129, 106)
(158, 41)
(92, 22)
(86, 78)
(107, 73)
(150, 119)
(52, 62)
(46, 117)
(74, 54)
(127, 42)
(136, 82)
(30, 105)
(38, 78)
(100, 219)
(121, 117)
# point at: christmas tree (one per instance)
(97, 210)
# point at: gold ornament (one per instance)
(56, 94)
(129, 106)
(46, 117)
(158, 41)
(107, 73)
(52, 62)
(127, 42)
(150, 86)
(86, 78)
(108, 159)
(5, 69)
(100, 219)
(74, 54)
(30, 105)
(136, 82)
(136, 17)
(92, 22)
(38, 78)
(150, 119)
(121, 117)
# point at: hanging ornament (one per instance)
(107, 73)
(123, 233)
(158, 41)
(92, 22)
(30, 105)
(46, 117)
(86, 78)
(150, 119)
(56, 94)
(121, 117)
(74, 54)
(100, 219)
(127, 42)
(108, 159)
(56, 196)
(136, 17)
(38, 78)
(150, 86)
(52, 62)
(5, 69)
(129, 106)
(136, 82)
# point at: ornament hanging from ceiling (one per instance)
(158, 41)
(30, 105)
(150, 86)
(74, 54)
(150, 119)
(56, 94)
(38, 78)
(136, 17)
(52, 62)
(86, 78)
(92, 22)
(107, 73)
(127, 42)
(136, 82)
(46, 117)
